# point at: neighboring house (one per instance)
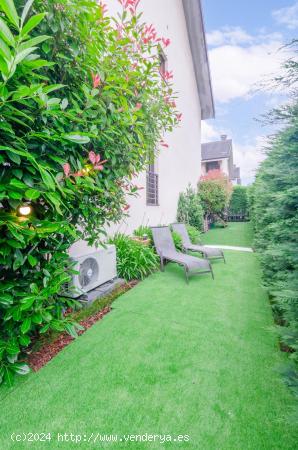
(179, 165)
(219, 155)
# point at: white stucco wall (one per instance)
(180, 164)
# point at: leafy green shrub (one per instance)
(82, 110)
(274, 210)
(134, 259)
(194, 234)
(189, 209)
(239, 200)
(177, 240)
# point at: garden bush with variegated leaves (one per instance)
(83, 107)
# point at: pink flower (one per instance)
(66, 169)
(138, 106)
(164, 144)
(149, 34)
(93, 157)
(166, 42)
(100, 166)
(126, 207)
(96, 80)
(167, 75)
(130, 4)
(103, 7)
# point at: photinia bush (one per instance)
(83, 107)
(215, 191)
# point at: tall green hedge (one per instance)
(274, 212)
(239, 200)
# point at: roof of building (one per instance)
(197, 39)
(217, 150)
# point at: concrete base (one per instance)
(101, 291)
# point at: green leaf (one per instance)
(64, 104)
(20, 368)
(10, 11)
(47, 179)
(24, 340)
(6, 299)
(13, 243)
(4, 51)
(37, 318)
(33, 42)
(6, 34)
(17, 183)
(15, 195)
(71, 330)
(32, 260)
(77, 138)
(32, 23)
(18, 173)
(23, 54)
(26, 325)
(45, 328)
(26, 11)
(14, 157)
(32, 194)
(27, 302)
(12, 347)
(53, 87)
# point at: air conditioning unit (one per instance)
(95, 266)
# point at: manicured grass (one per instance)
(196, 360)
(236, 233)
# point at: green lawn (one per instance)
(236, 233)
(171, 358)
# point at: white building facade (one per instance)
(179, 165)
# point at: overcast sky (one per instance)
(245, 40)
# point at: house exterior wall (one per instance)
(223, 165)
(180, 164)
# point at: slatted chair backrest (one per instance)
(162, 239)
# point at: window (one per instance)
(212, 165)
(152, 185)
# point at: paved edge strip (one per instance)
(231, 247)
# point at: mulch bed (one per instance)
(39, 358)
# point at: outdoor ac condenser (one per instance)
(95, 266)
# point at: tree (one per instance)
(214, 191)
